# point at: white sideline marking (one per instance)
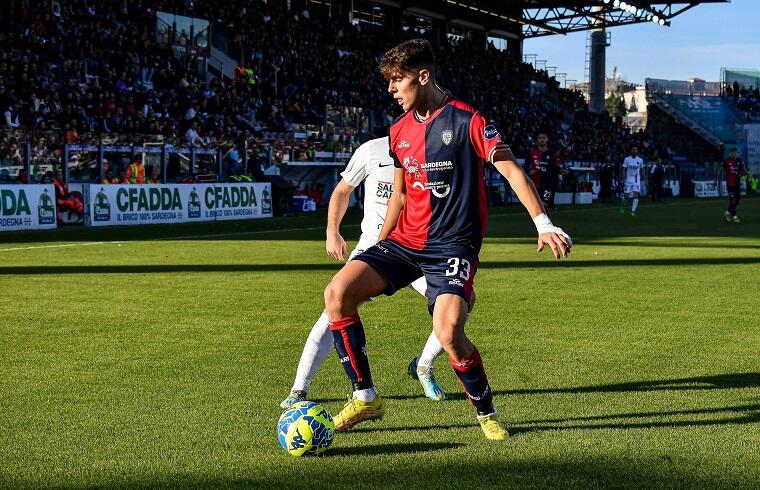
(181, 237)
(36, 247)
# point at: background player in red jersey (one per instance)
(733, 168)
(545, 168)
(435, 224)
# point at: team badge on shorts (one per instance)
(446, 136)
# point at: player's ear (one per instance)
(423, 76)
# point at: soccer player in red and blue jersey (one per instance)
(434, 225)
(733, 168)
(545, 168)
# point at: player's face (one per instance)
(405, 89)
(634, 151)
(543, 140)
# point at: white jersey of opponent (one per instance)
(632, 166)
(372, 164)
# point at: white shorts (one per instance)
(419, 284)
(361, 247)
(631, 187)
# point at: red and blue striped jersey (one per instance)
(544, 166)
(734, 168)
(443, 159)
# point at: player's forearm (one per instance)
(522, 186)
(395, 205)
(336, 210)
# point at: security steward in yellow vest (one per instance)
(135, 173)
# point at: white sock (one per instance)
(318, 346)
(366, 395)
(429, 353)
(635, 205)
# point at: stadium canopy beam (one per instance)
(548, 17)
(544, 17)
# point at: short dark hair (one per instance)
(409, 56)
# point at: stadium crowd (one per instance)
(746, 98)
(94, 68)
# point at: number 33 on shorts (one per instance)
(460, 267)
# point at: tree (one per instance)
(615, 104)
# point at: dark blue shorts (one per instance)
(447, 269)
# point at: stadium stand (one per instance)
(93, 71)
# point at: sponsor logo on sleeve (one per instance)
(490, 132)
(403, 144)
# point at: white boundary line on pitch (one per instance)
(181, 237)
(62, 245)
(263, 232)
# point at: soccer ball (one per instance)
(305, 429)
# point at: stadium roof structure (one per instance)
(537, 18)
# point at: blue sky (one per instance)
(698, 43)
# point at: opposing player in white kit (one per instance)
(632, 167)
(372, 165)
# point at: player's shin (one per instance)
(430, 352)
(472, 375)
(318, 346)
(350, 343)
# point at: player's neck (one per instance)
(431, 101)
(543, 147)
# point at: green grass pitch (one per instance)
(156, 357)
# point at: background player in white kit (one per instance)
(632, 166)
(372, 165)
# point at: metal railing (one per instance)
(86, 157)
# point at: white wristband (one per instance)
(543, 223)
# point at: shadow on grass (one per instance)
(238, 268)
(738, 415)
(752, 417)
(498, 467)
(375, 449)
(667, 244)
(696, 411)
(716, 382)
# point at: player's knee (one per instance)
(336, 298)
(446, 338)
(333, 295)
(450, 337)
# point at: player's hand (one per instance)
(335, 246)
(559, 241)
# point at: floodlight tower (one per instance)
(597, 65)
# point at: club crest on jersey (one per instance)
(403, 144)
(490, 132)
(446, 136)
